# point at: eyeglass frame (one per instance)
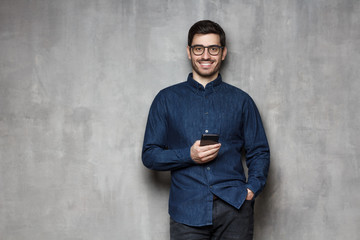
(199, 45)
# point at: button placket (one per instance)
(206, 113)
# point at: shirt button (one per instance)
(208, 168)
(206, 131)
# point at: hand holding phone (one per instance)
(207, 152)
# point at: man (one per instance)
(210, 197)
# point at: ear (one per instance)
(188, 52)
(224, 53)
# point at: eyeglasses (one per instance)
(212, 50)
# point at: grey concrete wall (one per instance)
(76, 82)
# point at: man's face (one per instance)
(206, 66)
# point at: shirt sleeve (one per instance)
(155, 152)
(256, 148)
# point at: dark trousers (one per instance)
(228, 223)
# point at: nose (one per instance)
(206, 54)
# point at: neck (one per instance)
(204, 80)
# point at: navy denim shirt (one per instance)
(178, 116)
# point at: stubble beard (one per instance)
(206, 74)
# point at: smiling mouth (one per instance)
(205, 64)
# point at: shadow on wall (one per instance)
(160, 179)
(263, 204)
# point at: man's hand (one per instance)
(250, 195)
(204, 154)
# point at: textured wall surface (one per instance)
(76, 82)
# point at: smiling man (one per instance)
(210, 196)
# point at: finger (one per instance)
(249, 197)
(208, 153)
(204, 151)
(209, 147)
(211, 151)
(209, 157)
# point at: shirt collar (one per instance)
(211, 85)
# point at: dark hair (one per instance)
(206, 27)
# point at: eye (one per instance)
(198, 49)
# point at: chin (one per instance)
(207, 74)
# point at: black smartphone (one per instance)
(208, 139)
